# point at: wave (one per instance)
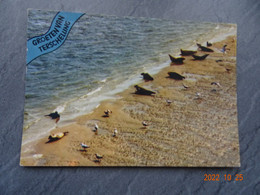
(95, 91)
(60, 109)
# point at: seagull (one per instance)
(228, 70)
(84, 146)
(145, 124)
(169, 102)
(198, 95)
(96, 127)
(98, 156)
(216, 83)
(115, 132)
(185, 86)
(223, 50)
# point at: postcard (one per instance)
(124, 91)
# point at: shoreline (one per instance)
(105, 95)
(138, 146)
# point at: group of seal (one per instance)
(176, 61)
(179, 60)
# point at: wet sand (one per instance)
(191, 131)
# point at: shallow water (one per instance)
(102, 56)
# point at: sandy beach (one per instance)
(191, 131)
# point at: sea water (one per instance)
(102, 56)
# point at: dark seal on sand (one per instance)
(147, 77)
(187, 52)
(54, 115)
(202, 48)
(143, 91)
(175, 76)
(200, 57)
(176, 60)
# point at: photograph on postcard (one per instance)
(124, 91)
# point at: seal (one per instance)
(202, 48)
(147, 77)
(54, 115)
(107, 113)
(176, 60)
(56, 136)
(187, 52)
(200, 57)
(175, 76)
(143, 91)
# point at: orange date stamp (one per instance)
(226, 177)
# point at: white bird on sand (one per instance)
(185, 86)
(145, 124)
(228, 70)
(216, 83)
(223, 50)
(169, 102)
(98, 156)
(115, 132)
(96, 127)
(84, 146)
(198, 95)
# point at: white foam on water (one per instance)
(223, 35)
(95, 91)
(60, 109)
(38, 130)
(104, 80)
